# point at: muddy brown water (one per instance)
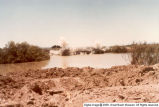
(95, 61)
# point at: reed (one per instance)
(145, 54)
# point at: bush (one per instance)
(56, 47)
(22, 52)
(146, 54)
(65, 52)
(118, 49)
(81, 51)
(98, 51)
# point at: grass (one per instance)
(22, 52)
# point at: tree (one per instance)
(22, 52)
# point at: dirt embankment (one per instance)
(71, 87)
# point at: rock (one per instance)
(37, 89)
(122, 82)
(114, 100)
(30, 102)
(52, 92)
(136, 98)
(32, 99)
(146, 69)
(121, 97)
(67, 99)
(138, 80)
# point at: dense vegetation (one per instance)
(79, 51)
(146, 54)
(102, 50)
(98, 51)
(118, 49)
(65, 52)
(22, 52)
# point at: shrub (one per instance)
(98, 51)
(22, 52)
(146, 54)
(56, 47)
(118, 49)
(65, 52)
(81, 51)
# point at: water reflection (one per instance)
(4, 68)
(64, 62)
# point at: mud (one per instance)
(71, 87)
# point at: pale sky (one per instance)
(80, 22)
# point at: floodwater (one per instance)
(96, 61)
(18, 67)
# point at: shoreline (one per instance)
(73, 86)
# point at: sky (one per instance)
(79, 22)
